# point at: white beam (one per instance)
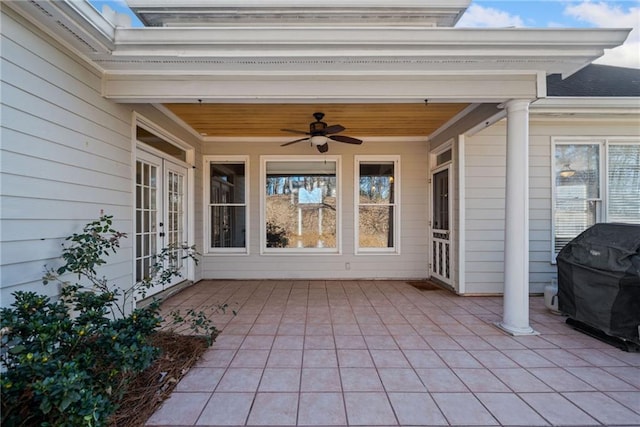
(305, 88)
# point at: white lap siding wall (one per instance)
(410, 263)
(66, 157)
(485, 185)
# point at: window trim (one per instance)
(207, 160)
(263, 228)
(604, 143)
(395, 249)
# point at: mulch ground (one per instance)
(151, 387)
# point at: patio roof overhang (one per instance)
(323, 63)
(268, 64)
(163, 13)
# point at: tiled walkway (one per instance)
(385, 353)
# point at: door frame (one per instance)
(139, 120)
(437, 166)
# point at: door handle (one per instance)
(161, 234)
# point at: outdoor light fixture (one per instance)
(566, 171)
(318, 140)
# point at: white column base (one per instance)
(515, 331)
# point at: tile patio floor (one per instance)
(384, 353)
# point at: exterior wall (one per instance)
(66, 158)
(485, 185)
(410, 263)
(484, 175)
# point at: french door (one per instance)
(161, 203)
(441, 226)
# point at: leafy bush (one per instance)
(67, 362)
(276, 236)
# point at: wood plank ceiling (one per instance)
(267, 120)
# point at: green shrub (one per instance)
(276, 236)
(67, 362)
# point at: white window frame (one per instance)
(603, 202)
(207, 160)
(263, 226)
(358, 159)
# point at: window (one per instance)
(227, 209)
(623, 183)
(301, 204)
(594, 181)
(152, 140)
(377, 203)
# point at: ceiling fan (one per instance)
(319, 134)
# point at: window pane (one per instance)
(227, 183)
(579, 165)
(227, 205)
(375, 210)
(443, 157)
(376, 227)
(300, 204)
(577, 190)
(624, 183)
(160, 144)
(376, 183)
(227, 226)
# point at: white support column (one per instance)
(515, 319)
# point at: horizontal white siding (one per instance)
(66, 157)
(485, 185)
(411, 263)
(484, 212)
(540, 159)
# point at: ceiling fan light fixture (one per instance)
(320, 134)
(566, 171)
(318, 140)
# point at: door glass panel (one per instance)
(175, 217)
(138, 173)
(440, 227)
(441, 200)
(145, 217)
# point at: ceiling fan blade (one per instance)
(295, 131)
(347, 139)
(323, 148)
(333, 129)
(293, 142)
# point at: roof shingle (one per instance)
(596, 80)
